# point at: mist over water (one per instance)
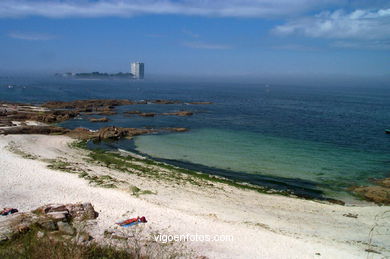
(330, 135)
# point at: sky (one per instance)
(197, 37)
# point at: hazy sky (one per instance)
(206, 37)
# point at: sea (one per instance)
(313, 140)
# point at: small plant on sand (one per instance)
(137, 191)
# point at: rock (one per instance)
(147, 114)
(58, 215)
(3, 238)
(180, 113)
(50, 208)
(47, 224)
(111, 133)
(83, 211)
(334, 201)
(46, 130)
(53, 218)
(351, 215)
(66, 228)
(377, 194)
(384, 182)
(165, 102)
(178, 129)
(132, 112)
(16, 224)
(83, 237)
(104, 119)
(88, 105)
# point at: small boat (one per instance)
(387, 131)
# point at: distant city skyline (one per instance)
(225, 38)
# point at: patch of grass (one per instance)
(30, 246)
(104, 181)
(82, 144)
(12, 147)
(57, 164)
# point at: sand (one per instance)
(262, 225)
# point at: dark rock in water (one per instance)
(180, 113)
(99, 119)
(147, 114)
(200, 103)
(111, 133)
(165, 102)
(132, 112)
(87, 105)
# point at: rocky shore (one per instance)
(378, 193)
(17, 118)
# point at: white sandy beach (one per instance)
(262, 226)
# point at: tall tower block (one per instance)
(138, 70)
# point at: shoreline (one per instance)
(266, 184)
(265, 225)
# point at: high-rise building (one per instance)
(137, 69)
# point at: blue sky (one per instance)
(203, 37)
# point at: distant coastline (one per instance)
(95, 75)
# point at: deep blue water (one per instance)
(332, 137)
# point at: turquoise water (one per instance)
(331, 167)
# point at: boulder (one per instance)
(52, 218)
(82, 211)
(377, 194)
(66, 228)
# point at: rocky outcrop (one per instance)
(104, 119)
(117, 132)
(379, 193)
(61, 218)
(88, 105)
(86, 134)
(132, 112)
(77, 211)
(40, 116)
(45, 130)
(383, 182)
(179, 113)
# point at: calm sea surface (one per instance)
(311, 139)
